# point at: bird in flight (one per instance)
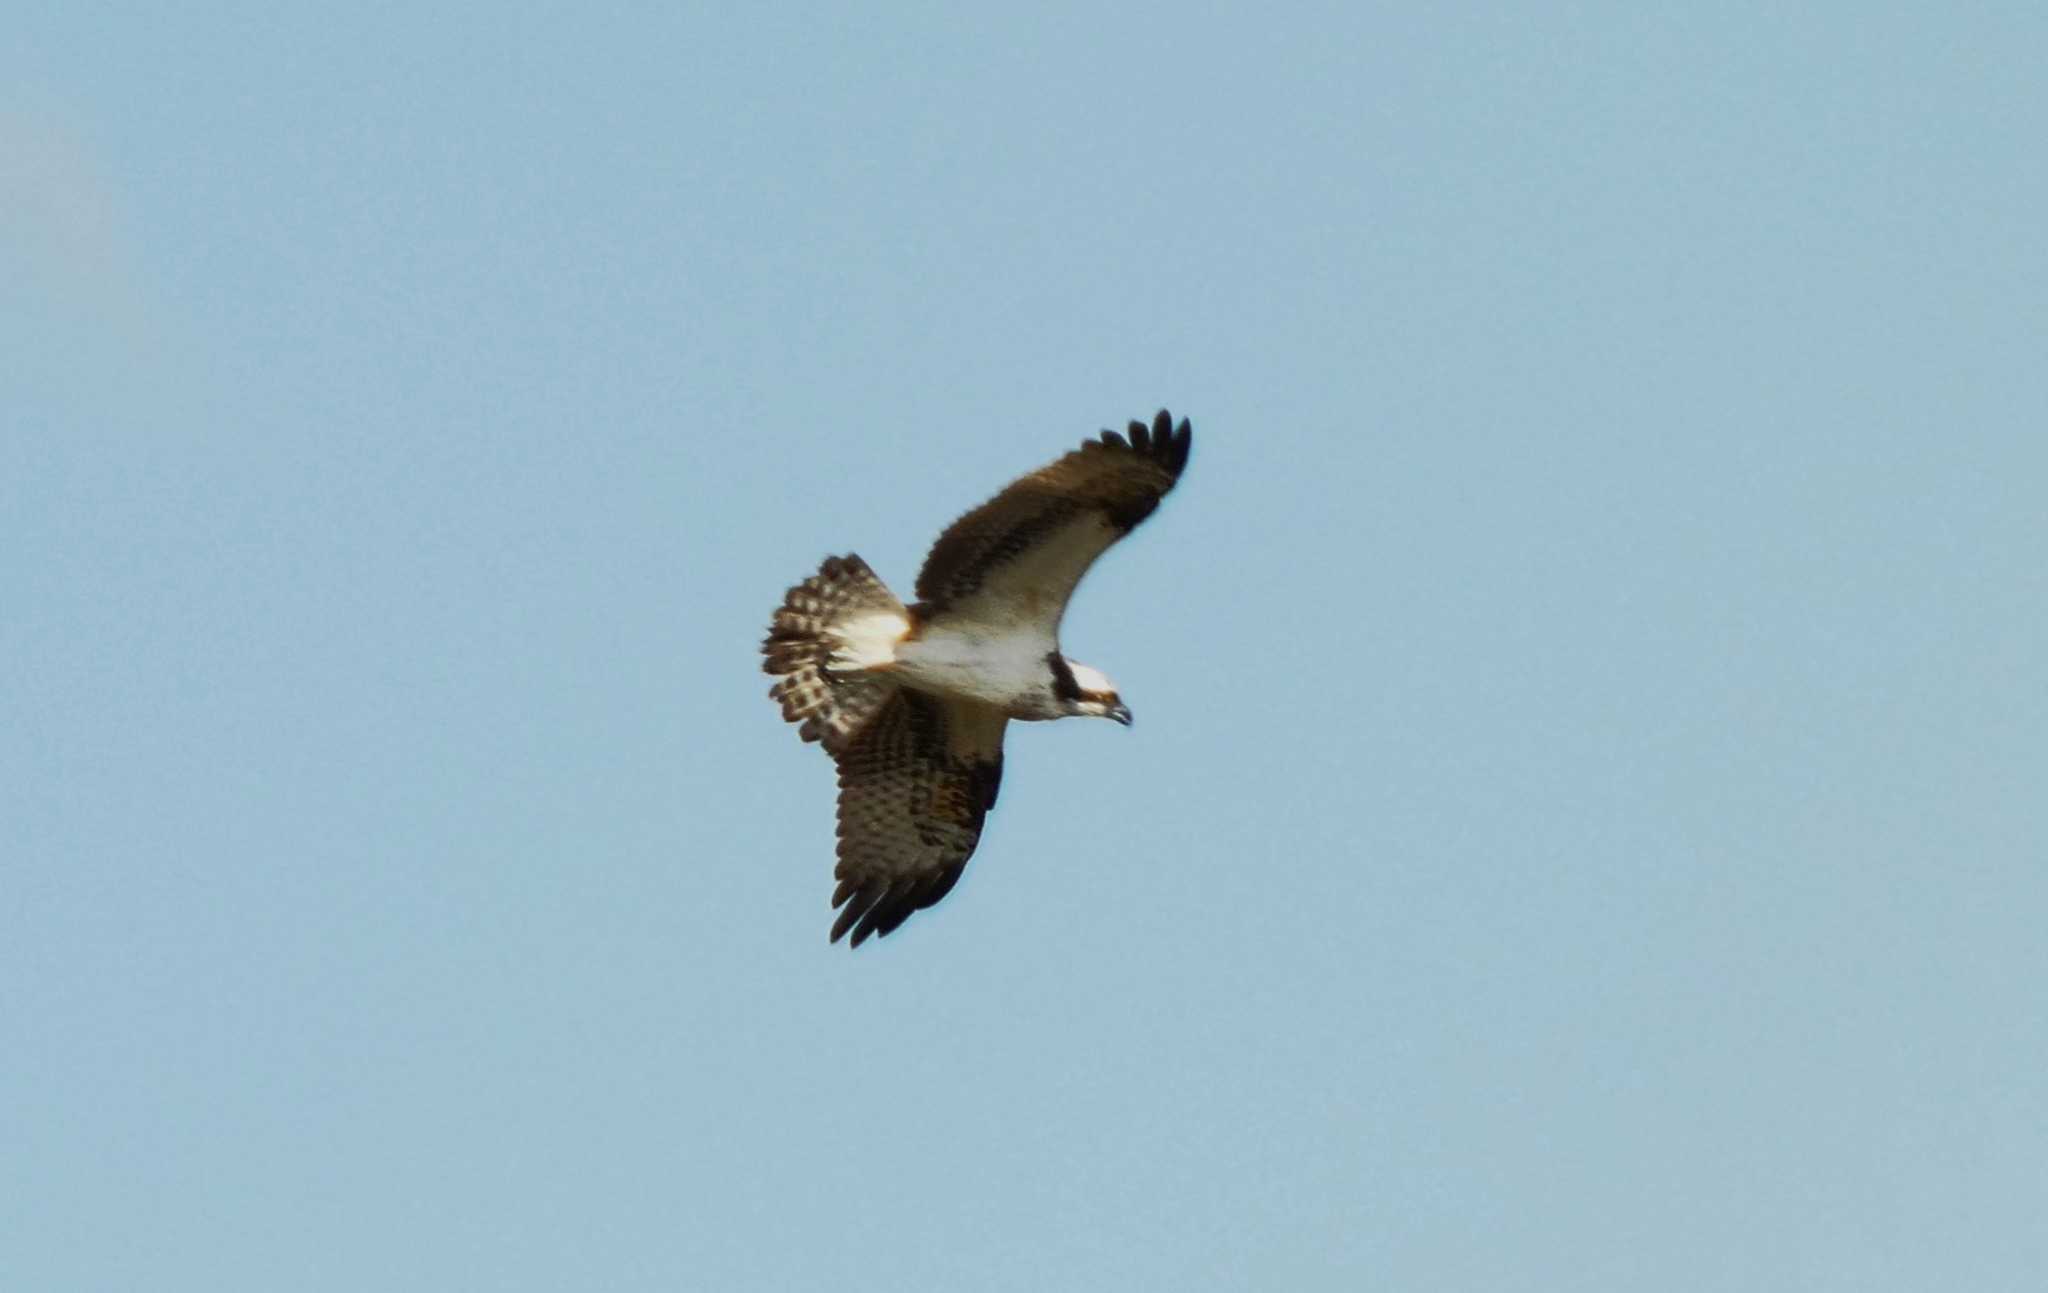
(911, 701)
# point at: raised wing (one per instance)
(1017, 557)
(914, 786)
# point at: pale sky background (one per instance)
(1585, 823)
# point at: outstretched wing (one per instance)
(1017, 557)
(914, 786)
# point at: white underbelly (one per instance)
(1006, 671)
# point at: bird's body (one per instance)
(996, 666)
(912, 701)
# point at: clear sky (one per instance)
(1584, 826)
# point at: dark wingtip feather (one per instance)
(879, 909)
(1163, 441)
(858, 903)
(845, 922)
(889, 911)
(874, 908)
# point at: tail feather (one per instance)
(832, 631)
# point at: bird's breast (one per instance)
(981, 664)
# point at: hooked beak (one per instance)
(1119, 713)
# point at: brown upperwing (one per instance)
(1030, 544)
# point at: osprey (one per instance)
(912, 700)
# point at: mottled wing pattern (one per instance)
(914, 786)
(1019, 555)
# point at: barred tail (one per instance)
(833, 629)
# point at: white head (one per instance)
(1084, 692)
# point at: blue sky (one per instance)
(1584, 824)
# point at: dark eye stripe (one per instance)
(1063, 684)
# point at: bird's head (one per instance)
(1083, 692)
